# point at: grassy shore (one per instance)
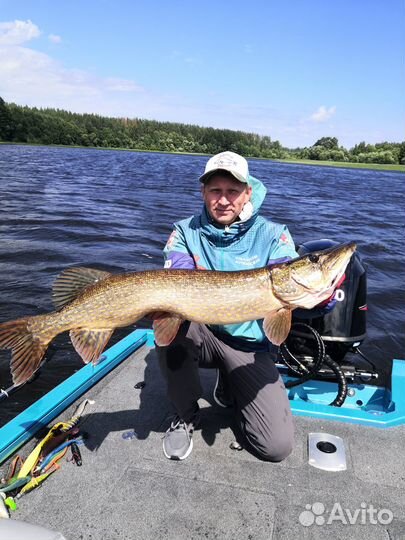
(346, 164)
(372, 166)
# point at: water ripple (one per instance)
(114, 210)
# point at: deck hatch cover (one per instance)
(326, 452)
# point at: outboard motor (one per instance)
(316, 347)
(343, 328)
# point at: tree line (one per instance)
(328, 149)
(55, 126)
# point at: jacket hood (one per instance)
(259, 191)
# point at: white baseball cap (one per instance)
(227, 161)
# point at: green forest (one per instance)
(31, 125)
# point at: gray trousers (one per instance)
(262, 408)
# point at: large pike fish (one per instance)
(92, 303)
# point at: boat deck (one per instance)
(127, 489)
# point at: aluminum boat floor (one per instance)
(127, 489)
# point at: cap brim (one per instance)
(236, 175)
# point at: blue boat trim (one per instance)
(19, 430)
(367, 405)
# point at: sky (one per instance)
(294, 70)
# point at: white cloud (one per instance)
(17, 32)
(323, 114)
(115, 84)
(33, 78)
(53, 38)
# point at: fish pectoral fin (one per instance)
(89, 344)
(277, 325)
(71, 282)
(165, 327)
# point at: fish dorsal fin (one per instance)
(71, 282)
(277, 325)
(165, 327)
(89, 344)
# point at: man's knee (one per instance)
(270, 444)
(271, 449)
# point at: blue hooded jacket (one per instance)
(199, 243)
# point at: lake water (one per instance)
(67, 206)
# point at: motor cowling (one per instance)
(344, 327)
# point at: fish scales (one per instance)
(212, 297)
(92, 303)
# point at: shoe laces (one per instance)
(178, 424)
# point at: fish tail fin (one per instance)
(27, 347)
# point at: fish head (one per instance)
(309, 280)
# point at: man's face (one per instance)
(225, 198)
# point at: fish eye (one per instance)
(314, 258)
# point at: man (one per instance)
(229, 234)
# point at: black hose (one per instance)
(341, 380)
(292, 361)
(320, 358)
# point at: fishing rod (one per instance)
(6, 393)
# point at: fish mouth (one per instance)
(332, 262)
(335, 260)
